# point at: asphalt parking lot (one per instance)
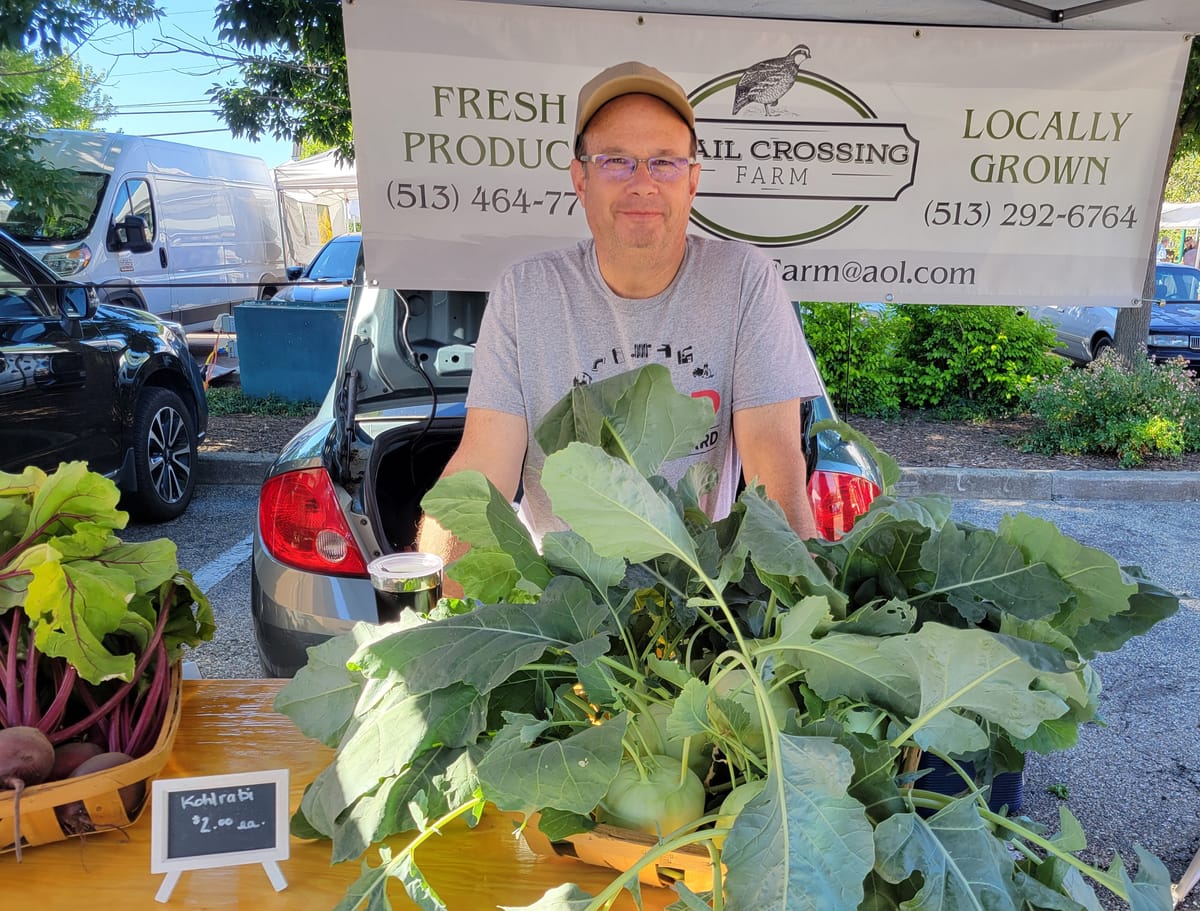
(1135, 780)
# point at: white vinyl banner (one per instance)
(902, 164)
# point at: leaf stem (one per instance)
(933, 801)
(610, 892)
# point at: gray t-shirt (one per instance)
(724, 327)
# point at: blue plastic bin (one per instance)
(288, 350)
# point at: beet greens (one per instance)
(90, 626)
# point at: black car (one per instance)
(111, 386)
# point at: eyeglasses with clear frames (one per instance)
(663, 169)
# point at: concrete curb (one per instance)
(1016, 484)
(963, 483)
(233, 467)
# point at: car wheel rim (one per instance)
(169, 455)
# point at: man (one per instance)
(640, 291)
(1189, 251)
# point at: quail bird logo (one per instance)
(769, 80)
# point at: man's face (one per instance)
(639, 213)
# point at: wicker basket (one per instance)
(620, 849)
(99, 791)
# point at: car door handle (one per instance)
(162, 256)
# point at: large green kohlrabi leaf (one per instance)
(1149, 604)
(1150, 889)
(485, 647)
(401, 727)
(636, 416)
(321, 698)
(780, 556)
(880, 555)
(970, 670)
(469, 506)
(929, 677)
(571, 774)
(567, 552)
(975, 569)
(963, 866)
(803, 843)
(1101, 590)
(437, 781)
(487, 574)
(613, 507)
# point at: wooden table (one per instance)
(229, 726)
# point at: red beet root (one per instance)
(26, 758)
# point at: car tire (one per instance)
(164, 456)
(1100, 345)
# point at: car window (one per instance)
(18, 299)
(335, 261)
(134, 199)
(1187, 286)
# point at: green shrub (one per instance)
(972, 360)
(234, 401)
(1109, 407)
(853, 347)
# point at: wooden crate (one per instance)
(98, 791)
(620, 849)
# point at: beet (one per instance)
(26, 757)
(68, 757)
(74, 818)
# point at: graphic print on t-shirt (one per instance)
(616, 360)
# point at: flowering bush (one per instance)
(1130, 410)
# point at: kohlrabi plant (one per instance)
(726, 684)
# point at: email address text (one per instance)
(853, 270)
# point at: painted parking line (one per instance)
(218, 569)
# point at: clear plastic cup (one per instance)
(405, 581)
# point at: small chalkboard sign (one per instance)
(219, 821)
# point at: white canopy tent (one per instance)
(1180, 215)
(318, 199)
(1137, 15)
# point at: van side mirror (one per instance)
(79, 302)
(294, 272)
(130, 234)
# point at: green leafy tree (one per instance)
(1183, 183)
(294, 83)
(41, 87)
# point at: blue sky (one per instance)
(157, 79)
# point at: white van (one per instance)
(181, 231)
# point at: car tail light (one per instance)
(838, 499)
(303, 526)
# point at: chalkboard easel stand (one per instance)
(274, 874)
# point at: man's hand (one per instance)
(493, 443)
(770, 442)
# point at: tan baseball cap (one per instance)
(630, 78)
